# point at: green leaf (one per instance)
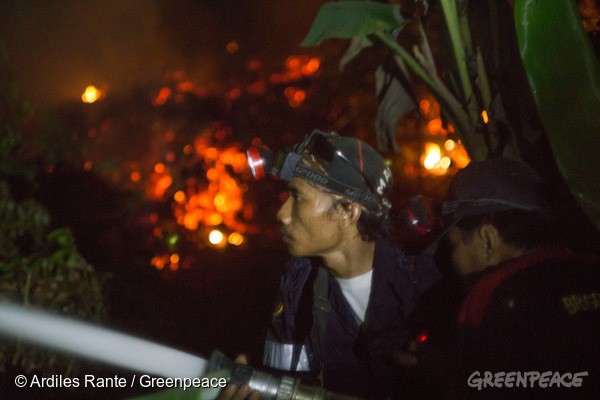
(459, 50)
(564, 76)
(347, 19)
(396, 102)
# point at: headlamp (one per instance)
(260, 161)
(419, 216)
(287, 165)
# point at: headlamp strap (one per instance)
(360, 196)
(289, 165)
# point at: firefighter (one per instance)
(346, 294)
(526, 310)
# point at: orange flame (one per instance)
(218, 200)
(91, 94)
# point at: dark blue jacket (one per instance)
(356, 358)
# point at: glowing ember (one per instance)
(158, 185)
(432, 155)
(443, 153)
(170, 261)
(161, 98)
(296, 68)
(91, 94)
(179, 197)
(435, 126)
(232, 47)
(135, 176)
(216, 198)
(216, 237)
(433, 160)
(425, 106)
(484, 117)
(159, 262)
(235, 239)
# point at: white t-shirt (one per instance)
(356, 291)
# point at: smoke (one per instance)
(58, 47)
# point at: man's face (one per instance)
(308, 225)
(467, 255)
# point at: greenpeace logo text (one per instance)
(529, 379)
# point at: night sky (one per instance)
(57, 48)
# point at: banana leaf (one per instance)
(347, 19)
(564, 76)
(396, 102)
(353, 19)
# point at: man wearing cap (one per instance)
(347, 292)
(531, 308)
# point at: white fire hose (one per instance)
(113, 348)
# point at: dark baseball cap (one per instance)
(493, 185)
(352, 163)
